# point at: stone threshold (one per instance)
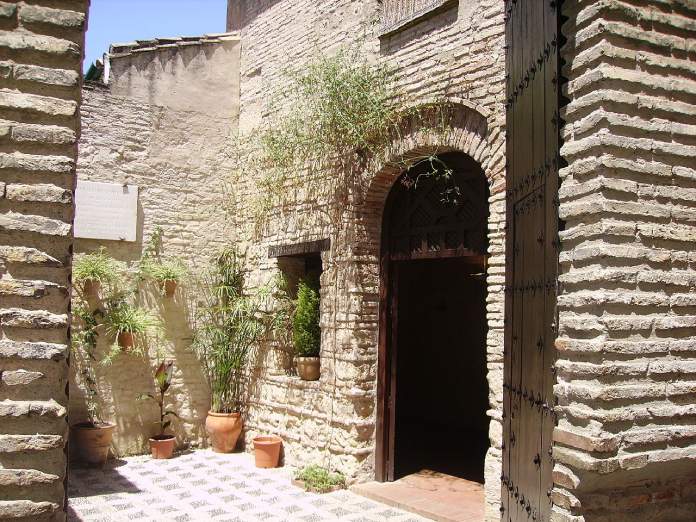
(434, 495)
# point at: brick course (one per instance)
(624, 446)
(40, 62)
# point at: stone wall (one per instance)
(164, 123)
(456, 54)
(625, 444)
(41, 46)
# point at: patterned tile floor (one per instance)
(202, 485)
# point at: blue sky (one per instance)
(113, 21)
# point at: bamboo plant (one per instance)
(230, 323)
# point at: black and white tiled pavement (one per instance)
(202, 485)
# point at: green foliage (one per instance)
(97, 266)
(305, 327)
(229, 324)
(340, 104)
(320, 479)
(163, 270)
(125, 317)
(341, 109)
(163, 380)
(152, 266)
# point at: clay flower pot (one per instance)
(308, 368)
(126, 340)
(162, 446)
(169, 286)
(223, 429)
(93, 442)
(91, 287)
(267, 451)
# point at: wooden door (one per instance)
(531, 30)
(422, 222)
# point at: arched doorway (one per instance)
(433, 393)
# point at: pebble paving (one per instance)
(202, 485)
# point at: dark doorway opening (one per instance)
(432, 389)
(441, 389)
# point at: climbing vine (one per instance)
(333, 115)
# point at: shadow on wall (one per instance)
(401, 39)
(129, 374)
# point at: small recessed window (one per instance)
(295, 268)
(399, 14)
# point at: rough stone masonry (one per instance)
(41, 46)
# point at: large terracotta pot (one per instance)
(126, 340)
(162, 446)
(91, 287)
(308, 368)
(169, 286)
(92, 442)
(267, 451)
(223, 430)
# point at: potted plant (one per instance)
(167, 273)
(125, 322)
(162, 444)
(94, 269)
(229, 324)
(267, 451)
(306, 333)
(91, 438)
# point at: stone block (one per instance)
(37, 14)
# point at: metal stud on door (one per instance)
(532, 63)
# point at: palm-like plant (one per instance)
(231, 323)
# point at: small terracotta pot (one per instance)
(308, 368)
(91, 287)
(126, 340)
(267, 451)
(169, 286)
(162, 446)
(92, 442)
(223, 429)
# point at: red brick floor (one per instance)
(431, 494)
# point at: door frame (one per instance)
(387, 358)
(388, 306)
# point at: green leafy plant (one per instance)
(305, 327)
(163, 380)
(320, 480)
(96, 266)
(163, 270)
(85, 336)
(126, 318)
(229, 324)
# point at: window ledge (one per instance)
(433, 8)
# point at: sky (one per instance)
(114, 21)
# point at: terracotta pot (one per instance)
(169, 286)
(126, 340)
(308, 368)
(91, 287)
(92, 442)
(223, 429)
(267, 451)
(162, 446)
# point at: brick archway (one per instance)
(470, 132)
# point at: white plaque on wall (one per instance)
(106, 211)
